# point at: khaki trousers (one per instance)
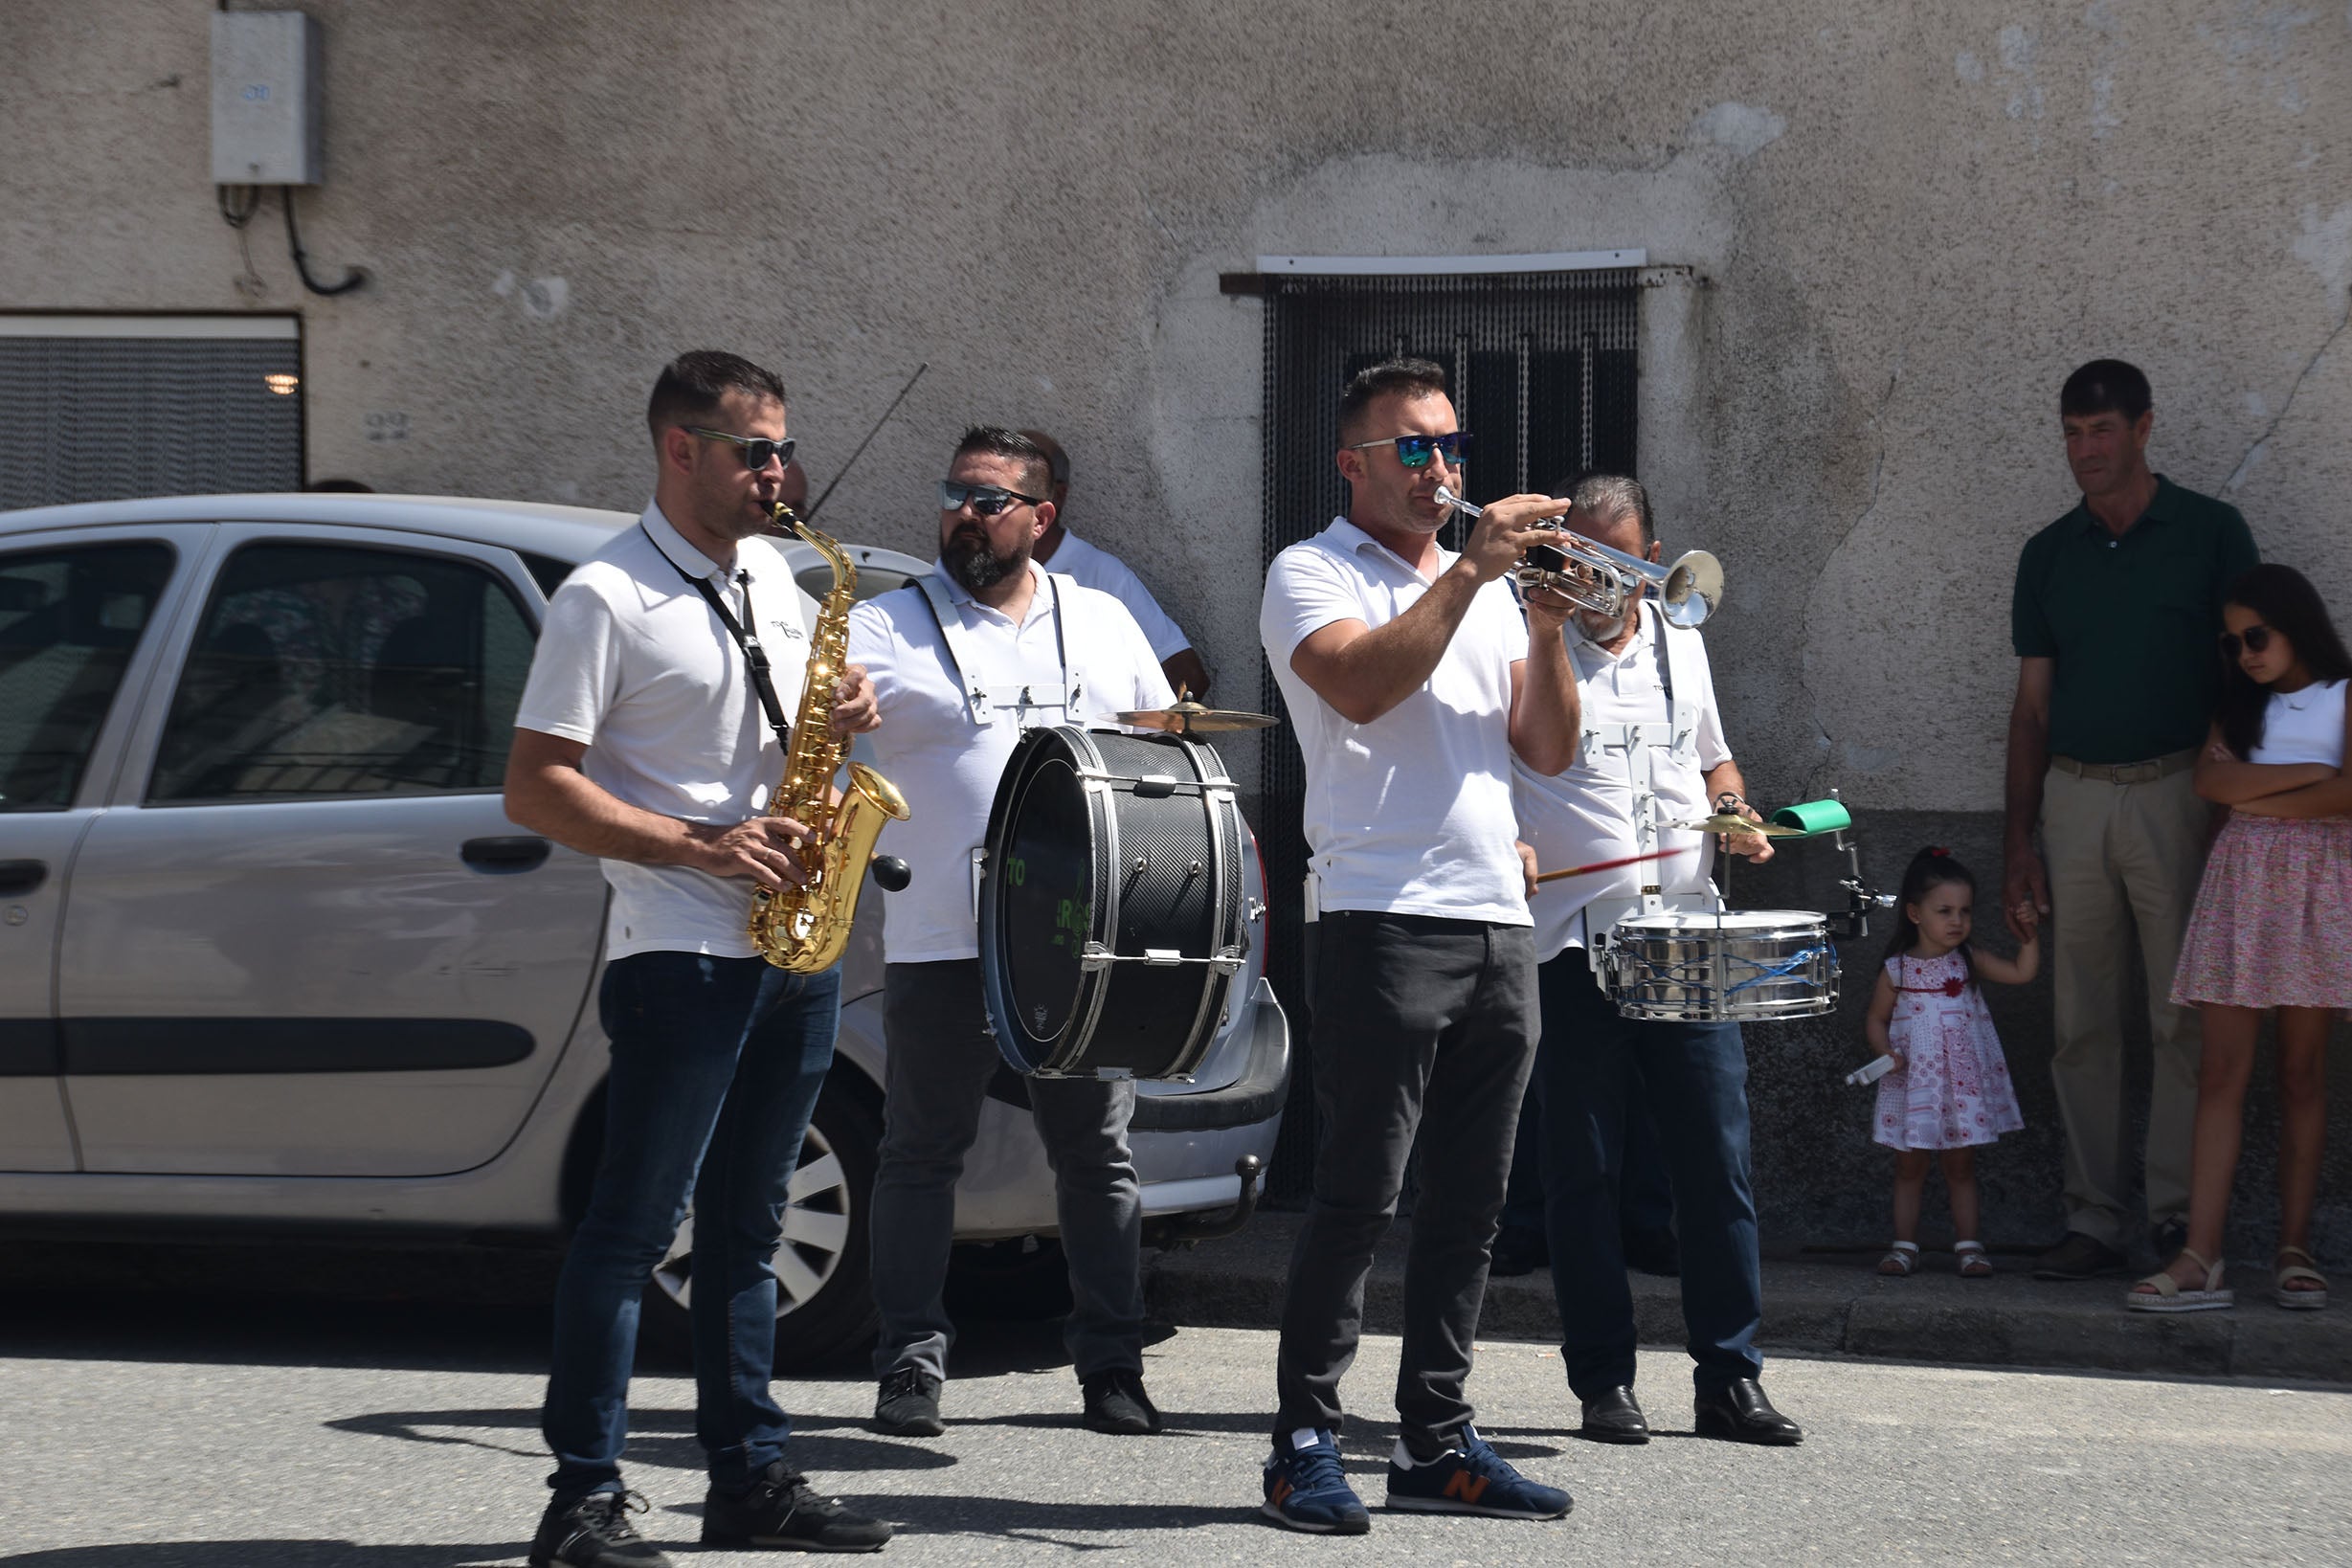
(2123, 858)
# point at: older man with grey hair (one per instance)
(1643, 687)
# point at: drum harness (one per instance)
(1678, 738)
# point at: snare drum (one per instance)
(1734, 966)
(1112, 909)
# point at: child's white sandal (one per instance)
(1900, 1260)
(1975, 1263)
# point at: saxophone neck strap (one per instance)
(746, 636)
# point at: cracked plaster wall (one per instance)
(1885, 235)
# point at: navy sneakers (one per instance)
(1307, 1489)
(1470, 1478)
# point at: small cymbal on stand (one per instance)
(1186, 718)
(1724, 822)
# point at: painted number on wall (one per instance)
(256, 92)
(387, 425)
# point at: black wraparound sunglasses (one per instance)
(758, 450)
(987, 499)
(2257, 638)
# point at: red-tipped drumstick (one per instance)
(1608, 866)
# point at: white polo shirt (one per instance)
(634, 664)
(1586, 814)
(1098, 568)
(1410, 814)
(947, 766)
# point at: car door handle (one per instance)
(21, 876)
(519, 851)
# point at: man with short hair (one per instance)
(643, 737)
(2113, 617)
(1098, 568)
(1652, 741)
(1412, 683)
(964, 660)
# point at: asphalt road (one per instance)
(154, 1431)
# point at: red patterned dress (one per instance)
(1953, 1090)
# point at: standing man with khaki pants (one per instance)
(2118, 605)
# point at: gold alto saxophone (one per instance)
(804, 929)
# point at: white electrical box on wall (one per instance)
(266, 85)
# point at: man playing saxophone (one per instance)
(986, 646)
(650, 734)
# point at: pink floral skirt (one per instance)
(2272, 927)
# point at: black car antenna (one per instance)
(818, 504)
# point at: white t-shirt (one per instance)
(634, 664)
(1098, 568)
(1410, 814)
(1586, 814)
(2312, 732)
(947, 766)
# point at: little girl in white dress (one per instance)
(1949, 1089)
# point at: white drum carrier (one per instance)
(1683, 957)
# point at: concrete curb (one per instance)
(1825, 1305)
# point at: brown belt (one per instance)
(2129, 773)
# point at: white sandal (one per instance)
(1975, 1263)
(2164, 1294)
(1900, 1260)
(2298, 1301)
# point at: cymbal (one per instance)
(1724, 822)
(1189, 718)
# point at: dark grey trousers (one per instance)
(1421, 1025)
(936, 1078)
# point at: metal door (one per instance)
(306, 940)
(1542, 370)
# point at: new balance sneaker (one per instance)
(1116, 1403)
(1307, 1489)
(781, 1510)
(593, 1532)
(1470, 1478)
(907, 1404)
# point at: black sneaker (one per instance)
(2078, 1257)
(1116, 1403)
(593, 1532)
(781, 1510)
(908, 1404)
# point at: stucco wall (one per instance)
(1902, 226)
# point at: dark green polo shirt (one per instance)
(2132, 622)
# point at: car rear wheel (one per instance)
(824, 1291)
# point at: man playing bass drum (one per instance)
(963, 661)
(1641, 684)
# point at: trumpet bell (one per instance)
(1693, 587)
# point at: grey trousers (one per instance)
(941, 1056)
(1421, 1027)
(2124, 861)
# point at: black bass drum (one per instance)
(1112, 912)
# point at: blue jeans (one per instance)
(1695, 1079)
(716, 1067)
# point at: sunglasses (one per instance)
(2256, 639)
(758, 450)
(986, 500)
(1413, 451)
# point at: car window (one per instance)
(70, 620)
(331, 670)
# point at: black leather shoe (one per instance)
(1116, 1403)
(907, 1404)
(1742, 1414)
(2078, 1257)
(1616, 1416)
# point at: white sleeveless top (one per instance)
(2307, 727)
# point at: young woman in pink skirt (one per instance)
(2272, 928)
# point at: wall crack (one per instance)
(2254, 452)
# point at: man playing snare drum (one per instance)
(963, 662)
(1644, 687)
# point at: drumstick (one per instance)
(1608, 866)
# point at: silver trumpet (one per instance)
(1604, 581)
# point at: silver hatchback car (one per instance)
(270, 951)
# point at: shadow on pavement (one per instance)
(269, 1554)
(661, 1438)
